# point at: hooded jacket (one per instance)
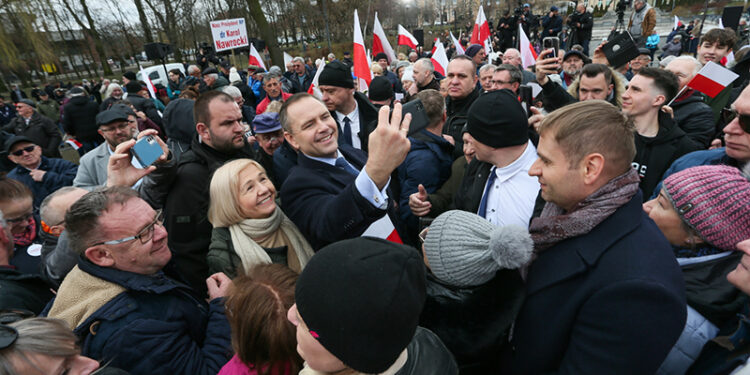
(79, 119)
(654, 155)
(695, 118)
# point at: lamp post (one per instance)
(325, 19)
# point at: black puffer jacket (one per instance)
(695, 118)
(474, 322)
(79, 119)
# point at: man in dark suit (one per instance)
(335, 193)
(605, 294)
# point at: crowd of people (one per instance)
(601, 225)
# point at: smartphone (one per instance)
(419, 119)
(147, 150)
(553, 43)
(525, 93)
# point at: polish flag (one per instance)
(287, 59)
(730, 56)
(677, 22)
(406, 39)
(712, 79)
(380, 41)
(528, 55)
(383, 228)
(73, 143)
(361, 67)
(434, 45)
(480, 34)
(314, 89)
(149, 85)
(459, 48)
(255, 58)
(440, 59)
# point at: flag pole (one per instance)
(677, 96)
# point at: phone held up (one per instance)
(147, 150)
(553, 43)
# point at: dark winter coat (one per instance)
(186, 209)
(146, 106)
(695, 118)
(307, 81)
(428, 163)
(654, 155)
(474, 322)
(41, 130)
(59, 173)
(611, 301)
(426, 355)
(79, 119)
(22, 291)
(284, 158)
(704, 157)
(553, 23)
(457, 111)
(157, 325)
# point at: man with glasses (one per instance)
(736, 136)
(31, 124)
(641, 61)
(125, 302)
(506, 76)
(41, 174)
(303, 76)
(115, 127)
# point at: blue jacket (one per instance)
(428, 163)
(324, 203)
(59, 173)
(704, 157)
(551, 23)
(611, 301)
(156, 326)
(652, 42)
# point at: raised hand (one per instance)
(418, 202)
(388, 145)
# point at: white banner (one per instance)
(229, 34)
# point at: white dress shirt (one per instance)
(354, 123)
(513, 194)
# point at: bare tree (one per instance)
(91, 30)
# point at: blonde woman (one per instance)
(249, 228)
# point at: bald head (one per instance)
(685, 68)
(512, 56)
(54, 206)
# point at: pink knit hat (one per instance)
(714, 200)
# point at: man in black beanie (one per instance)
(380, 92)
(357, 307)
(392, 77)
(355, 116)
(496, 185)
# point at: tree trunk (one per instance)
(144, 21)
(277, 58)
(91, 31)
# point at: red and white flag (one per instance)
(255, 58)
(528, 54)
(149, 85)
(712, 79)
(380, 41)
(383, 228)
(677, 22)
(73, 143)
(406, 39)
(440, 59)
(730, 56)
(434, 45)
(314, 89)
(481, 32)
(361, 67)
(459, 48)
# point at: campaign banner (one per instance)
(229, 34)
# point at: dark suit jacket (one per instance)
(608, 302)
(368, 119)
(324, 203)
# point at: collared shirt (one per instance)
(354, 122)
(512, 196)
(133, 160)
(364, 184)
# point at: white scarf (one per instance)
(251, 254)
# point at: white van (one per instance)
(157, 74)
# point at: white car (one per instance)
(157, 74)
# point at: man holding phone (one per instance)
(428, 163)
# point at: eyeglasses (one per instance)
(145, 235)
(728, 115)
(20, 151)
(21, 219)
(121, 126)
(423, 234)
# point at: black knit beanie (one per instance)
(335, 73)
(129, 75)
(380, 89)
(361, 299)
(496, 119)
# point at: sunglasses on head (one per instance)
(20, 151)
(728, 115)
